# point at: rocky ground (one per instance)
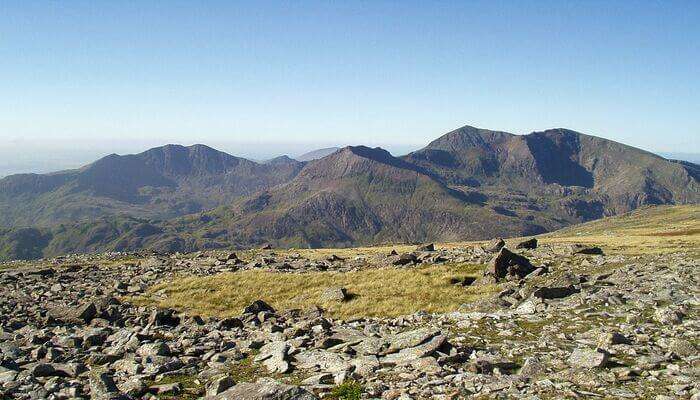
(569, 322)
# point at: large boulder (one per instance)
(495, 245)
(334, 294)
(508, 265)
(527, 244)
(258, 306)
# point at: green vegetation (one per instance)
(349, 390)
(192, 388)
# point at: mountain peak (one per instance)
(468, 137)
(281, 160)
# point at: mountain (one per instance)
(317, 154)
(567, 172)
(163, 182)
(468, 184)
(689, 157)
(357, 195)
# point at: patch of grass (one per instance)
(349, 390)
(192, 388)
(648, 230)
(378, 292)
(246, 370)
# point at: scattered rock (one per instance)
(495, 245)
(265, 389)
(508, 265)
(334, 294)
(588, 358)
(527, 244)
(426, 247)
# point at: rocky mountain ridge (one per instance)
(468, 184)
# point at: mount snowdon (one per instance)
(468, 184)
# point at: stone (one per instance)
(588, 358)
(682, 348)
(102, 385)
(527, 244)
(265, 389)
(274, 357)
(411, 338)
(410, 354)
(495, 245)
(164, 318)
(86, 312)
(405, 259)
(258, 306)
(334, 294)
(322, 359)
(549, 293)
(508, 265)
(133, 386)
(219, 384)
(153, 349)
(426, 247)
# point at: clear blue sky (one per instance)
(254, 77)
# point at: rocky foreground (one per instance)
(569, 322)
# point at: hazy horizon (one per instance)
(46, 160)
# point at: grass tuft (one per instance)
(349, 390)
(379, 292)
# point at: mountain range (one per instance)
(470, 183)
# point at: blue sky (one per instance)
(258, 78)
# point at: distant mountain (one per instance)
(689, 157)
(317, 154)
(583, 176)
(163, 182)
(355, 196)
(468, 184)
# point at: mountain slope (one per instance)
(163, 182)
(570, 173)
(355, 196)
(468, 184)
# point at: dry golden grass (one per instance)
(649, 230)
(389, 292)
(385, 292)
